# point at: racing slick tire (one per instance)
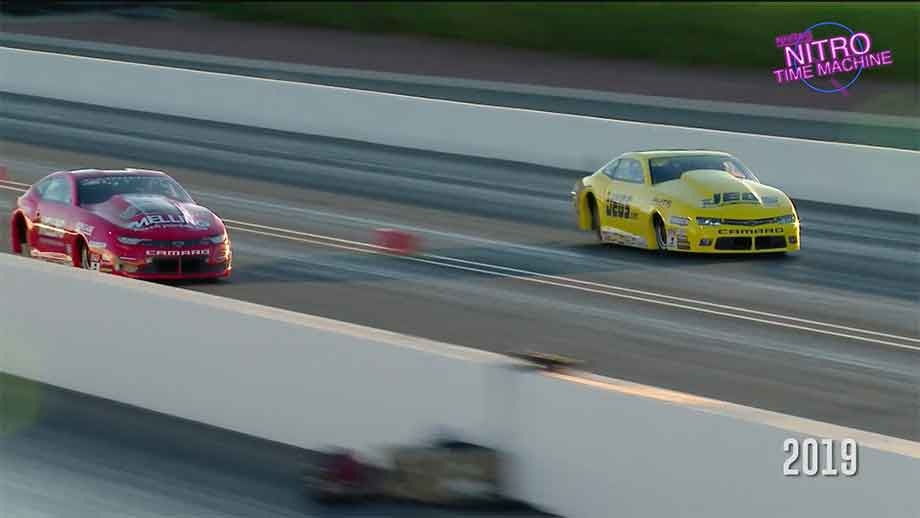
(595, 220)
(661, 235)
(18, 238)
(83, 252)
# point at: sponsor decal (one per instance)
(85, 229)
(157, 220)
(175, 253)
(618, 206)
(730, 198)
(49, 232)
(677, 238)
(97, 244)
(615, 235)
(830, 62)
(54, 222)
(168, 220)
(661, 202)
(750, 231)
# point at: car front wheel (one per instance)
(661, 235)
(595, 221)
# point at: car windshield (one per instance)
(667, 168)
(100, 189)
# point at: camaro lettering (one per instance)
(174, 253)
(750, 231)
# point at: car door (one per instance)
(54, 208)
(623, 201)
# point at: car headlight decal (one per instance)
(218, 239)
(785, 219)
(704, 221)
(679, 220)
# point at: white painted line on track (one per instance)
(401, 226)
(9, 188)
(585, 286)
(19, 184)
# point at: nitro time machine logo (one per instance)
(827, 64)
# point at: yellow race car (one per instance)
(685, 200)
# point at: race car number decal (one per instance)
(618, 206)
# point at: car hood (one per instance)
(713, 189)
(148, 215)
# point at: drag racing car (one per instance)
(685, 200)
(129, 222)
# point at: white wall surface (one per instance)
(604, 452)
(582, 447)
(846, 174)
(279, 375)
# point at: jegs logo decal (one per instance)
(730, 198)
(618, 206)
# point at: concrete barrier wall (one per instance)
(617, 449)
(581, 447)
(283, 376)
(847, 174)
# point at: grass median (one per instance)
(739, 35)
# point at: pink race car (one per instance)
(129, 222)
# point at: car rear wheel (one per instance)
(85, 262)
(18, 240)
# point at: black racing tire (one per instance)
(661, 235)
(595, 220)
(85, 262)
(18, 237)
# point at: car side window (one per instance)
(629, 170)
(41, 187)
(57, 190)
(609, 168)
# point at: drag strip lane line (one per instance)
(574, 287)
(365, 221)
(310, 241)
(308, 234)
(686, 300)
(18, 184)
(14, 189)
(602, 286)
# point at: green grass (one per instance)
(712, 33)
